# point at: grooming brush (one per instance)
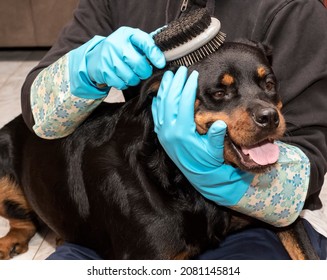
(190, 38)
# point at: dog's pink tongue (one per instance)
(263, 154)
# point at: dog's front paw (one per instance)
(10, 247)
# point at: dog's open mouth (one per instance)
(260, 155)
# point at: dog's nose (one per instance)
(266, 117)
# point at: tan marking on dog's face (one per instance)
(261, 71)
(239, 128)
(204, 118)
(227, 80)
(240, 125)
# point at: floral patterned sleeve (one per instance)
(277, 196)
(56, 111)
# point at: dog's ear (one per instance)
(267, 51)
(151, 86)
(148, 90)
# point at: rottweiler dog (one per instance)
(111, 187)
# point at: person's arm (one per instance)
(90, 18)
(66, 92)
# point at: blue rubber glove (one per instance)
(199, 157)
(120, 60)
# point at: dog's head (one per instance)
(237, 85)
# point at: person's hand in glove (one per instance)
(199, 157)
(120, 60)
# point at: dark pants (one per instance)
(250, 244)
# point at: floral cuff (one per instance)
(277, 197)
(56, 111)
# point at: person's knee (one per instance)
(250, 244)
(69, 251)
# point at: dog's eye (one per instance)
(219, 94)
(270, 85)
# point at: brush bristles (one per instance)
(190, 38)
(182, 30)
(200, 53)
